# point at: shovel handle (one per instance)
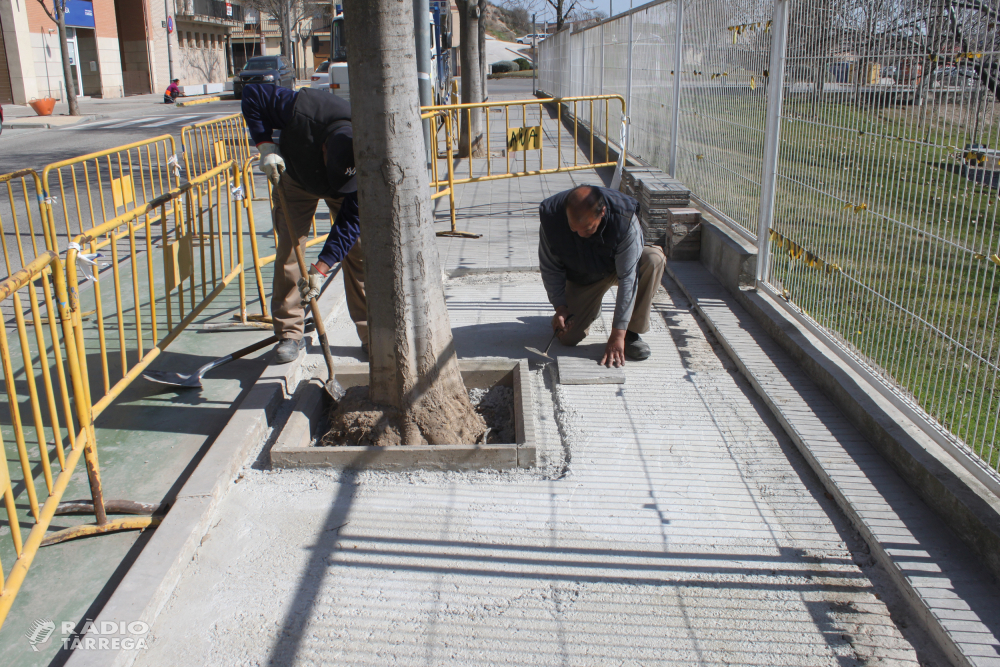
(238, 354)
(303, 271)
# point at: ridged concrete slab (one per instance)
(954, 595)
(667, 523)
(577, 370)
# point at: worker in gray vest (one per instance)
(316, 153)
(591, 239)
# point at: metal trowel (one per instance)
(535, 350)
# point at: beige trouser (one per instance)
(286, 303)
(584, 301)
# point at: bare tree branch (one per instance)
(45, 8)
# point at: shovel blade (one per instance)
(173, 379)
(335, 390)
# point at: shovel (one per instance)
(194, 379)
(332, 387)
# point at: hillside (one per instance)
(507, 24)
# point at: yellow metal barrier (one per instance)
(54, 418)
(85, 192)
(23, 219)
(192, 245)
(170, 258)
(526, 141)
(209, 144)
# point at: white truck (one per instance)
(332, 74)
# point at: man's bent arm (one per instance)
(627, 266)
(344, 233)
(266, 108)
(553, 271)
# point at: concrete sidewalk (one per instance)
(670, 519)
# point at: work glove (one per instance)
(310, 286)
(271, 163)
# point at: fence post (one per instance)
(772, 136)
(602, 62)
(675, 122)
(628, 79)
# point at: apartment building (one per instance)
(116, 47)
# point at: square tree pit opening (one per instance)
(294, 447)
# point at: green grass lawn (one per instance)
(878, 192)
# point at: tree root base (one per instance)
(357, 421)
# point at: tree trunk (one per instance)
(70, 80)
(413, 367)
(286, 30)
(471, 134)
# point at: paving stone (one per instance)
(575, 370)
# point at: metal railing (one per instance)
(169, 259)
(861, 143)
(526, 138)
(23, 232)
(52, 421)
(83, 193)
(209, 144)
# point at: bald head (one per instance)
(585, 210)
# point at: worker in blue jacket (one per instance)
(316, 152)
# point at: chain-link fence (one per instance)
(862, 139)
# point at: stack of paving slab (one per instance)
(665, 210)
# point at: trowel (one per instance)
(535, 350)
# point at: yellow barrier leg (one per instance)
(451, 186)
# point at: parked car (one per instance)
(527, 38)
(275, 70)
(321, 77)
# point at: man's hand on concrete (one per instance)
(561, 320)
(270, 160)
(614, 351)
(311, 286)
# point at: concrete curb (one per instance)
(49, 122)
(204, 100)
(150, 581)
(947, 589)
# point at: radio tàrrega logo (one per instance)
(40, 632)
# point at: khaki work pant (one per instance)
(584, 301)
(286, 302)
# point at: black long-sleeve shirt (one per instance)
(267, 108)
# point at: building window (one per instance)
(190, 42)
(213, 40)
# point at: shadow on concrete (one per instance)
(322, 557)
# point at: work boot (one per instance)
(288, 350)
(635, 347)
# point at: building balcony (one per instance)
(217, 12)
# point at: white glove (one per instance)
(311, 286)
(270, 160)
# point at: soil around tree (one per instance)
(356, 421)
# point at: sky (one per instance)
(605, 6)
